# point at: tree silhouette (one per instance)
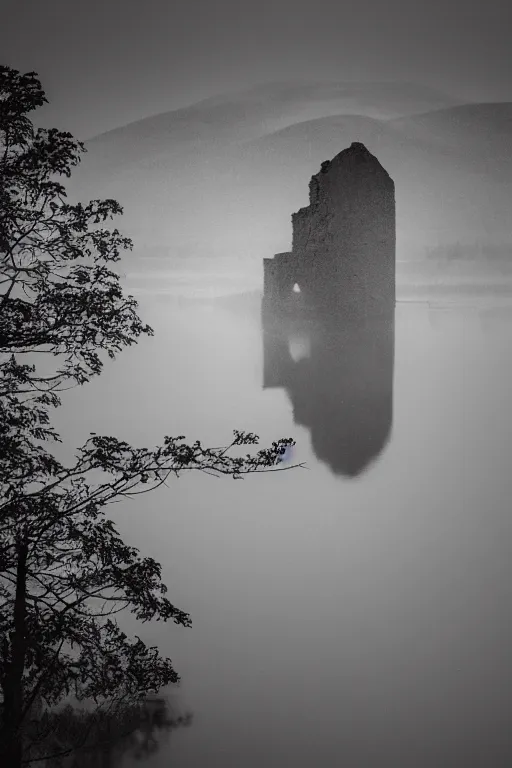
(73, 738)
(64, 570)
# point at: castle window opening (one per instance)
(296, 288)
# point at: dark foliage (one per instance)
(64, 570)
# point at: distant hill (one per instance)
(483, 131)
(218, 181)
(255, 112)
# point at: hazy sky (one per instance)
(104, 63)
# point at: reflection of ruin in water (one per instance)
(341, 388)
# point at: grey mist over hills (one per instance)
(209, 190)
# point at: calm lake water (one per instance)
(357, 612)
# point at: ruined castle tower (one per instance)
(343, 249)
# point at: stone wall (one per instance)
(279, 276)
(343, 247)
(345, 239)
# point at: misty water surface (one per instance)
(358, 614)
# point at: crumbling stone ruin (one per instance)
(343, 248)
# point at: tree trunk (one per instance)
(12, 683)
